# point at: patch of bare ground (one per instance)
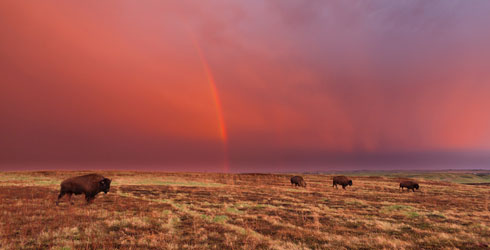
(241, 211)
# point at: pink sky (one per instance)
(296, 83)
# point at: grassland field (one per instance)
(158, 210)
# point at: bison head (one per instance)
(105, 185)
(350, 182)
(302, 183)
(416, 186)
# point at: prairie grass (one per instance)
(244, 211)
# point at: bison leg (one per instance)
(343, 186)
(69, 198)
(89, 198)
(413, 189)
(59, 197)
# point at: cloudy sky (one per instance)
(244, 85)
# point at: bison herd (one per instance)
(344, 182)
(92, 184)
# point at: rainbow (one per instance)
(217, 104)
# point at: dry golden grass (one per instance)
(241, 211)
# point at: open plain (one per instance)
(156, 210)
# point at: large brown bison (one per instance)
(341, 180)
(90, 185)
(409, 185)
(298, 181)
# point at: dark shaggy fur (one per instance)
(90, 185)
(298, 181)
(341, 180)
(409, 185)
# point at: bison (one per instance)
(409, 185)
(90, 185)
(298, 181)
(341, 180)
